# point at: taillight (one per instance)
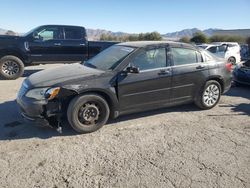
(229, 67)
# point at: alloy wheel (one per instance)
(10, 68)
(211, 95)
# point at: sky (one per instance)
(131, 16)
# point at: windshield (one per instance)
(109, 58)
(31, 31)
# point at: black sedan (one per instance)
(125, 78)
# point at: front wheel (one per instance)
(11, 67)
(88, 113)
(209, 95)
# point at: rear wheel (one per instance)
(11, 67)
(88, 113)
(209, 95)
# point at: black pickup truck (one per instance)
(46, 44)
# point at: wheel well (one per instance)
(102, 94)
(16, 54)
(220, 81)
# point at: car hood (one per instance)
(61, 75)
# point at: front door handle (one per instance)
(57, 44)
(82, 44)
(164, 72)
(200, 67)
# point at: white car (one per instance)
(227, 50)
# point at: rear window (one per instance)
(182, 56)
(73, 33)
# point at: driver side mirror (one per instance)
(133, 69)
(36, 36)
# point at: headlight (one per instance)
(37, 93)
(43, 93)
(52, 93)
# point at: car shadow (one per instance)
(182, 108)
(242, 108)
(13, 127)
(239, 91)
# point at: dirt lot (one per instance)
(175, 147)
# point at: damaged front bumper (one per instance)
(39, 112)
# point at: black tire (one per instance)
(202, 100)
(16, 65)
(77, 110)
(232, 60)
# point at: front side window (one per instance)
(73, 33)
(51, 33)
(150, 59)
(182, 56)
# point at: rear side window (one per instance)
(150, 59)
(182, 56)
(222, 48)
(73, 33)
(212, 49)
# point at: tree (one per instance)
(199, 37)
(227, 38)
(132, 37)
(185, 39)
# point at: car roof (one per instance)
(51, 25)
(220, 43)
(142, 44)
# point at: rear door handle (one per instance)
(57, 44)
(164, 72)
(200, 67)
(82, 44)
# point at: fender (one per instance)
(109, 94)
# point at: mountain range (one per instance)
(189, 33)
(94, 34)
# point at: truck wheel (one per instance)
(88, 113)
(209, 95)
(11, 67)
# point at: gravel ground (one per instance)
(175, 147)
